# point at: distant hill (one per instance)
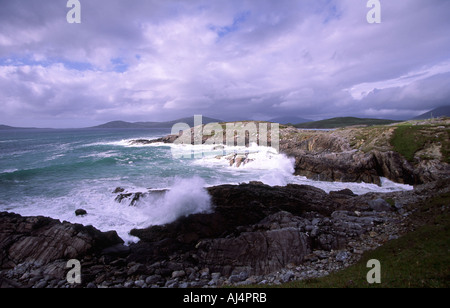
(167, 124)
(289, 120)
(6, 127)
(343, 122)
(443, 111)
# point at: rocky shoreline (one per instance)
(257, 234)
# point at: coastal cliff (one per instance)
(255, 233)
(414, 152)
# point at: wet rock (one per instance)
(118, 190)
(43, 240)
(80, 212)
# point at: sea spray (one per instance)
(187, 196)
(39, 177)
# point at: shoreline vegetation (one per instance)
(258, 235)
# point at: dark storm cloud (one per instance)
(158, 60)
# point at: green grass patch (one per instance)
(444, 139)
(407, 140)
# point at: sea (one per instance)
(53, 172)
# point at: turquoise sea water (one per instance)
(54, 172)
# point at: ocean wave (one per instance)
(185, 196)
(264, 164)
(9, 171)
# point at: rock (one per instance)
(342, 256)
(262, 251)
(154, 279)
(237, 205)
(239, 160)
(178, 274)
(42, 284)
(204, 273)
(344, 192)
(136, 269)
(118, 190)
(373, 234)
(287, 276)
(133, 198)
(380, 205)
(116, 250)
(139, 283)
(43, 240)
(80, 212)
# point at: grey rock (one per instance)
(380, 205)
(140, 283)
(287, 276)
(44, 240)
(263, 251)
(178, 274)
(136, 270)
(342, 256)
(153, 279)
(41, 284)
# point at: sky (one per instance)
(159, 60)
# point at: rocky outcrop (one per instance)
(43, 240)
(262, 249)
(240, 205)
(257, 228)
(344, 155)
(257, 234)
(165, 139)
(356, 166)
(337, 167)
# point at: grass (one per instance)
(419, 259)
(409, 139)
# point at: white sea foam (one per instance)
(274, 169)
(106, 154)
(185, 197)
(357, 188)
(206, 165)
(9, 170)
(128, 143)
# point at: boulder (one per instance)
(380, 205)
(80, 212)
(42, 240)
(263, 252)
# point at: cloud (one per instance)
(158, 60)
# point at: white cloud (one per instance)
(362, 90)
(163, 59)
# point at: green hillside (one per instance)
(343, 122)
